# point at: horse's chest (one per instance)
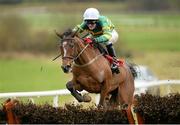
(89, 83)
(100, 76)
(96, 76)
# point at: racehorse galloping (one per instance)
(91, 72)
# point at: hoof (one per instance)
(86, 98)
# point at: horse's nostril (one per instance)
(68, 66)
(66, 69)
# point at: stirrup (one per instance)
(115, 68)
(116, 60)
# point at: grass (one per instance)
(36, 74)
(151, 39)
(22, 74)
(30, 75)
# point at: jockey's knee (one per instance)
(69, 86)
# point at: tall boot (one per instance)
(111, 51)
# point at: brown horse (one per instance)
(91, 72)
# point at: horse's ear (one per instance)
(74, 33)
(58, 34)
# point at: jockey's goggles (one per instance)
(91, 21)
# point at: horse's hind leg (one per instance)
(126, 92)
(114, 98)
(70, 87)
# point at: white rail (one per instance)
(54, 93)
(158, 83)
(31, 94)
(140, 87)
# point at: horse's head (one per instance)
(67, 48)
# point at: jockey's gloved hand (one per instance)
(88, 40)
(94, 40)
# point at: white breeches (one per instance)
(114, 38)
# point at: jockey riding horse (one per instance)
(101, 30)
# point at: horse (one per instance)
(91, 72)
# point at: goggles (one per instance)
(91, 21)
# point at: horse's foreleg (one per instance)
(71, 88)
(103, 97)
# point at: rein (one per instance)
(71, 57)
(90, 62)
(68, 39)
(79, 54)
(84, 65)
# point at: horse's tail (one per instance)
(132, 68)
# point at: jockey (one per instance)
(101, 29)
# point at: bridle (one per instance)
(70, 57)
(78, 55)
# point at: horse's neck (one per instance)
(87, 55)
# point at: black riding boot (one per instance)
(112, 53)
(111, 50)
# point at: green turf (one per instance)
(30, 75)
(151, 39)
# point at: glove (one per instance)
(93, 39)
(88, 40)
